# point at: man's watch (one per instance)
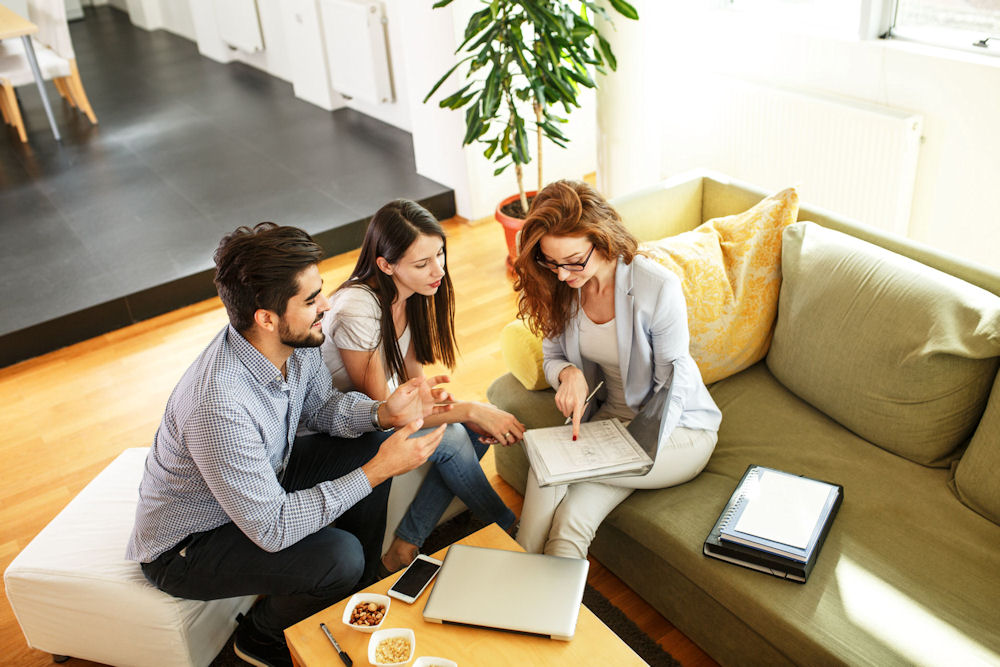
(375, 423)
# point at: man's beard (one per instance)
(310, 339)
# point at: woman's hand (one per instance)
(571, 397)
(414, 399)
(496, 425)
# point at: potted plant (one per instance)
(524, 58)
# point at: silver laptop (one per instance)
(508, 590)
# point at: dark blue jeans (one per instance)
(302, 579)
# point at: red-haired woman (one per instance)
(606, 313)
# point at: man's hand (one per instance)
(400, 453)
(414, 399)
(496, 425)
(571, 397)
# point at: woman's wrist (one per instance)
(461, 411)
(566, 372)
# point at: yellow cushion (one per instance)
(522, 352)
(730, 269)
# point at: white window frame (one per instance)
(961, 40)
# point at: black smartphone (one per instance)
(415, 578)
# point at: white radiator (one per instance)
(239, 24)
(356, 49)
(856, 159)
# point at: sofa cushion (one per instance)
(902, 573)
(730, 269)
(977, 473)
(900, 353)
(522, 354)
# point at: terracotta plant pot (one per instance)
(511, 226)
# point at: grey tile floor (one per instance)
(118, 222)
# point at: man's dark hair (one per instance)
(258, 268)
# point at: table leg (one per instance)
(29, 51)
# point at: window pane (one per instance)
(979, 16)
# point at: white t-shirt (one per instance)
(599, 343)
(354, 323)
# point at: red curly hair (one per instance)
(563, 208)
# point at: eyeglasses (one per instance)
(569, 267)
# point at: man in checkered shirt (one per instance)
(231, 503)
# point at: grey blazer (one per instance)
(653, 349)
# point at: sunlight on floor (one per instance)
(903, 624)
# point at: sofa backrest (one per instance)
(685, 201)
(722, 196)
(900, 353)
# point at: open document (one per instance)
(604, 449)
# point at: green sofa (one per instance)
(882, 377)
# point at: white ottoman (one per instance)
(74, 593)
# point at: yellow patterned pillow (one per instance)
(731, 272)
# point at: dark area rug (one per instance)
(613, 617)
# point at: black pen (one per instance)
(343, 654)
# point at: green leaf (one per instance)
(491, 93)
(597, 9)
(608, 54)
(477, 23)
(500, 170)
(474, 127)
(441, 3)
(450, 101)
(491, 148)
(625, 9)
(443, 78)
(521, 153)
(582, 79)
(553, 131)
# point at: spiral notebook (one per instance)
(775, 522)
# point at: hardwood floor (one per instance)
(67, 414)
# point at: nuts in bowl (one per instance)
(391, 647)
(366, 611)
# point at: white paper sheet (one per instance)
(783, 508)
(602, 443)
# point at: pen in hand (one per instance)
(592, 394)
(343, 654)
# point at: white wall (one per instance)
(956, 207)
(159, 14)
(276, 57)
(19, 7)
(431, 39)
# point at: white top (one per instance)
(354, 323)
(599, 343)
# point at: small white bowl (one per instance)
(432, 661)
(361, 598)
(389, 633)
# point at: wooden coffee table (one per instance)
(593, 643)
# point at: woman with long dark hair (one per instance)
(608, 313)
(394, 315)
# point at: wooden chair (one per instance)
(56, 60)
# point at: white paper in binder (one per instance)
(357, 52)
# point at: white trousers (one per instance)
(562, 520)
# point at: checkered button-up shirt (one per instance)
(224, 442)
